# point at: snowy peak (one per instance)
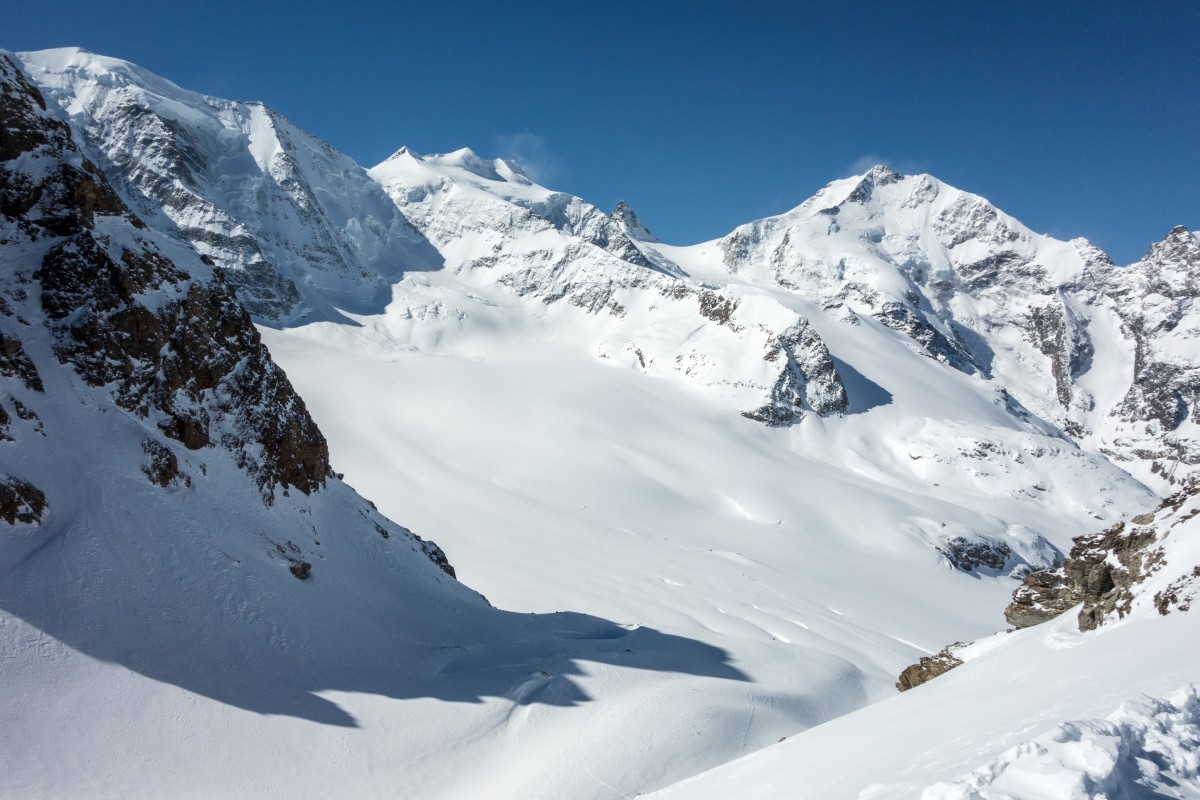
(87, 67)
(1172, 266)
(465, 159)
(1094, 350)
(882, 175)
(879, 175)
(629, 223)
(297, 227)
(1180, 245)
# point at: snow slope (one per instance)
(556, 479)
(1045, 712)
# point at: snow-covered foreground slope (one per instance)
(1045, 712)
(1045, 693)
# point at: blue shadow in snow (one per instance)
(864, 393)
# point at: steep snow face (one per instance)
(298, 227)
(1054, 323)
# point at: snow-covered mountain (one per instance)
(784, 463)
(298, 227)
(1098, 351)
(304, 233)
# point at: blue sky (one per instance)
(1080, 119)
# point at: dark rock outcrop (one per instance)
(15, 363)
(164, 339)
(929, 667)
(971, 555)
(1041, 597)
(21, 501)
(434, 554)
(165, 344)
(162, 467)
(1100, 573)
(809, 379)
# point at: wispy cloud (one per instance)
(866, 161)
(532, 153)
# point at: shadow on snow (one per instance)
(271, 643)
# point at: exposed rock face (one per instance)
(630, 225)
(808, 380)
(21, 501)
(972, 555)
(1180, 594)
(434, 554)
(190, 357)
(1105, 587)
(162, 467)
(1156, 299)
(167, 346)
(15, 363)
(1099, 573)
(1041, 597)
(1102, 572)
(929, 667)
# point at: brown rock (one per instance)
(928, 668)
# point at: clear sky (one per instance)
(1079, 118)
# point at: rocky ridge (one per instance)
(1104, 571)
(1159, 414)
(1149, 564)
